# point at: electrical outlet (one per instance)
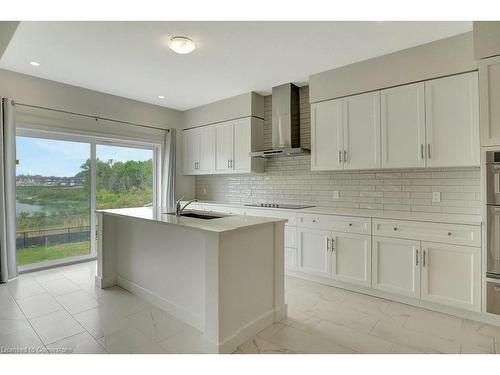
(336, 194)
(204, 191)
(436, 197)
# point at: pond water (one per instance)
(30, 208)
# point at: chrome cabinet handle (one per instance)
(327, 244)
(345, 156)
(422, 151)
(423, 259)
(428, 150)
(333, 247)
(340, 157)
(416, 258)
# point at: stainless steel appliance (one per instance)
(277, 205)
(493, 231)
(493, 213)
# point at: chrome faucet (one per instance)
(179, 209)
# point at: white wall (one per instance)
(41, 92)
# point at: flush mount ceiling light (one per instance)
(34, 63)
(181, 44)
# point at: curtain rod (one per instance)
(88, 116)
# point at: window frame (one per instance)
(93, 140)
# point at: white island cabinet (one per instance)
(223, 276)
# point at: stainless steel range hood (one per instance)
(285, 123)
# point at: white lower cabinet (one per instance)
(451, 275)
(351, 258)
(396, 266)
(314, 254)
(342, 257)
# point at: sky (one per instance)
(48, 157)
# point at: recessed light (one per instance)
(161, 97)
(34, 63)
(181, 44)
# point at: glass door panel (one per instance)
(52, 200)
(124, 177)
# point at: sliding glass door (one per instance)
(61, 179)
(52, 200)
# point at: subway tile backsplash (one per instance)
(290, 180)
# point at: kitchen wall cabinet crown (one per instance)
(224, 148)
(427, 124)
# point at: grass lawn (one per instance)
(37, 254)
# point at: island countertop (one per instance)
(218, 225)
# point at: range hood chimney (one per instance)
(285, 123)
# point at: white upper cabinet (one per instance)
(242, 140)
(206, 160)
(427, 124)
(489, 84)
(403, 126)
(452, 121)
(223, 147)
(326, 135)
(191, 150)
(361, 131)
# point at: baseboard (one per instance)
(251, 329)
(164, 304)
(105, 282)
(466, 314)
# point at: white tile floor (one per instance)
(61, 309)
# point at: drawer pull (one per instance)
(449, 233)
(395, 228)
(314, 221)
(350, 224)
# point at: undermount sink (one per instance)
(197, 215)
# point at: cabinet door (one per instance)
(190, 144)
(314, 256)
(326, 135)
(451, 275)
(206, 159)
(351, 258)
(396, 266)
(361, 132)
(403, 126)
(223, 146)
(489, 91)
(242, 146)
(452, 121)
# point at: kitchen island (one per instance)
(223, 275)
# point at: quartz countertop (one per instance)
(379, 214)
(218, 225)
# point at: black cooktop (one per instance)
(278, 205)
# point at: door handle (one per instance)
(428, 150)
(327, 244)
(333, 246)
(423, 259)
(422, 151)
(345, 156)
(340, 157)
(416, 258)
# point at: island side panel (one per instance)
(280, 307)
(106, 251)
(247, 282)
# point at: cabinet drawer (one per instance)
(345, 224)
(445, 233)
(223, 209)
(290, 236)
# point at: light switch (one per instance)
(436, 196)
(336, 194)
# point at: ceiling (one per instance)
(131, 59)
